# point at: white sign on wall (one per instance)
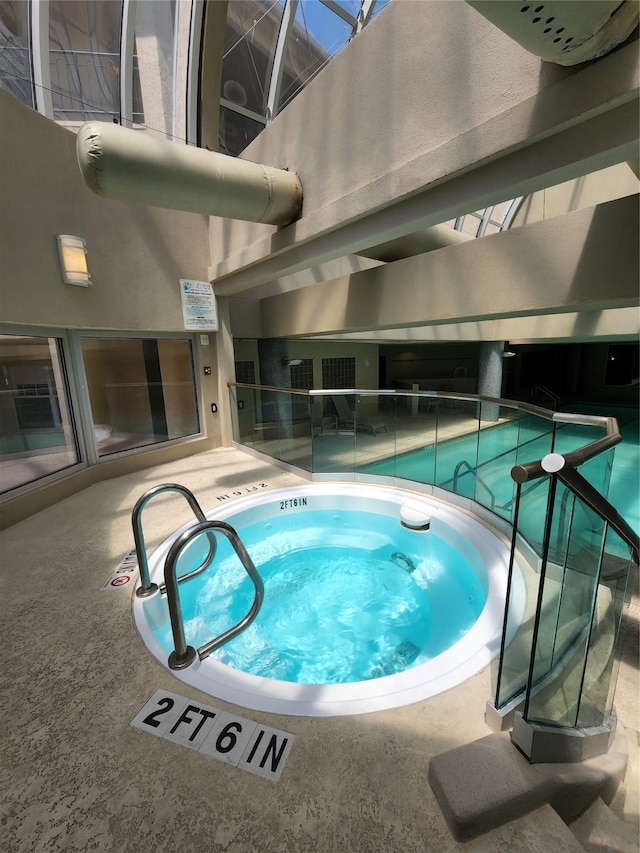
(198, 305)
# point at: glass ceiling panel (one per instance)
(318, 35)
(153, 65)
(350, 6)
(15, 53)
(250, 43)
(84, 55)
(236, 131)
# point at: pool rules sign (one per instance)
(199, 311)
(227, 737)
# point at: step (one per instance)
(600, 830)
(487, 783)
(541, 831)
(626, 802)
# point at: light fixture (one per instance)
(290, 362)
(508, 354)
(73, 260)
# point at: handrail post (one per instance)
(147, 588)
(184, 655)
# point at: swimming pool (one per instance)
(395, 624)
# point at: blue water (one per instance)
(349, 596)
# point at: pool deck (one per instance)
(77, 776)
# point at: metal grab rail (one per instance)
(146, 587)
(184, 655)
(456, 473)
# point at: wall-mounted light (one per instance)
(290, 362)
(508, 354)
(73, 260)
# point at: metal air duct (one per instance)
(560, 31)
(133, 166)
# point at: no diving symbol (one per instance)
(121, 580)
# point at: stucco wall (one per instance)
(136, 255)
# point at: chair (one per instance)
(347, 419)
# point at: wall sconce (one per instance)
(290, 362)
(73, 260)
(508, 354)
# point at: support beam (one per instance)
(586, 260)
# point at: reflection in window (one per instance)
(84, 55)
(37, 435)
(237, 131)
(622, 365)
(153, 95)
(142, 391)
(249, 45)
(318, 35)
(15, 53)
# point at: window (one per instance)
(338, 372)
(622, 365)
(302, 375)
(37, 432)
(142, 391)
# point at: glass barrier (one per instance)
(527, 550)
(570, 580)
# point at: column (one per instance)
(490, 377)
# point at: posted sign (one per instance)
(198, 305)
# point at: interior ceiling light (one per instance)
(73, 260)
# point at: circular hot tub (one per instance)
(374, 597)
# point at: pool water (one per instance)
(374, 600)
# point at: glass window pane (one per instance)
(153, 101)
(37, 434)
(15, 51)
(317, 36)
(236, 131)
(250, 43)
(142, 391)
(84, 55)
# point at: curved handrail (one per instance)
(146, 587)
(556, 464)
(184, 655)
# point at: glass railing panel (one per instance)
(407, 449)
(264, 416)
(333, 434)
(295, 429)
(571, 436)
(457, 445)
(529, 516)
(565, 615)
(497, 445)
(375, 427)
(243, 414)
(535, 437)
(608, 633)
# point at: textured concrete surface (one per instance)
(483, 784)
(77, 776)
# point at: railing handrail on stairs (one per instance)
(184, 655)
(147, 588)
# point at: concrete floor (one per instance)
(77, 776)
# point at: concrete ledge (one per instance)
(540, 743)
(487, 783)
